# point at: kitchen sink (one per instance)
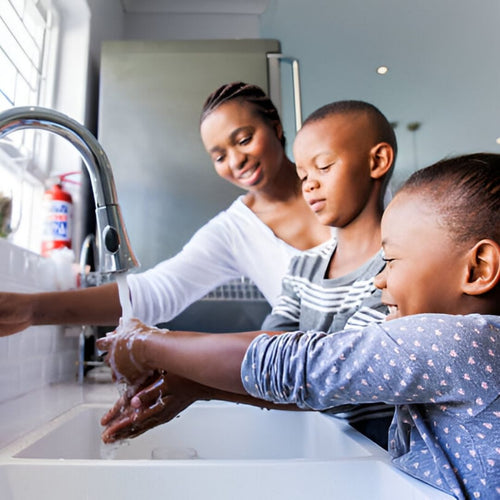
(204, 431)
(213, 450)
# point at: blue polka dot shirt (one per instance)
(441, 372)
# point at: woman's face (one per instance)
(245, 150)
(424, 267)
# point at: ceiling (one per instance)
(195, 6)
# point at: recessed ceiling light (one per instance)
(382, 70)
(498, 140)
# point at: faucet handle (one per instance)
(111, 239)
(115, 254)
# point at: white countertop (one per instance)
(27, 412)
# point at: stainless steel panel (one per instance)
(151, 94)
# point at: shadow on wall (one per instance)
(221, 316)
(236, 306)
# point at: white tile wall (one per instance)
(40, 355)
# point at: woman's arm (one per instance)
(88, 306)
(206, 261)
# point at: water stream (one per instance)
(108, 451)
(121, 280)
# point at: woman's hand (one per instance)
(125, 351)
(160, 399)
(16, 312)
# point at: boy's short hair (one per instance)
(465, 192)
(379, 122)
(385, 131)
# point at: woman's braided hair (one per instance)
(245, 93)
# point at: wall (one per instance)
(110, 22)
(440, 57)
(106, 23)
(44, 355)
(39, 355)
(190, 26)
(435, 52)
(69, 93)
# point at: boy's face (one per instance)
(332, 156)
(424, 268)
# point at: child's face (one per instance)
(244, 149)
(332, 156)
(424, 268)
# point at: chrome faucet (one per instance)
(115, 253)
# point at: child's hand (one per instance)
(125, 352)
(155, 404)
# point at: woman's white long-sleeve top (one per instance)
(234, 243)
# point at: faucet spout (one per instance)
(115, 252)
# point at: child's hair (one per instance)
(385, 131)
(465, 192)
(248, 93)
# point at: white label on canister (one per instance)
(57, 224)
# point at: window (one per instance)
(27, 36)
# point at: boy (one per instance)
(344, 155)
(435, 358)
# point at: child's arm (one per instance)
(135, 351)
(415, 359)
(389, 362)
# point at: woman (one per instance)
(255, 237)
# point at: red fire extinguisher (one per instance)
(58, 216)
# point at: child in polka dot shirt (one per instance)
(435, 357)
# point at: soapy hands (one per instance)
(140, 357)
(125, 348)
(151, 397)
(160, 399)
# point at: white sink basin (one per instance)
(215, 431)
(212, 451)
